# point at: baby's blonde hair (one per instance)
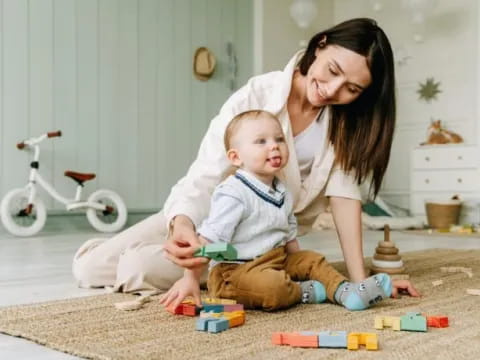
(237, 120)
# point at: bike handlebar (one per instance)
(54, 134)
(34, 141)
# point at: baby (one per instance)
(253, 211)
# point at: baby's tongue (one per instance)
(275, 161)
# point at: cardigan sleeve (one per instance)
(341, 184)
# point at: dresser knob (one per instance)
(427, 181)
(459, 180)
(427, 158)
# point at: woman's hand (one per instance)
(182, 244)
(403, 286)
(188, 285)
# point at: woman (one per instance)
(336, 104)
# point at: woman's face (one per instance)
(337, 76)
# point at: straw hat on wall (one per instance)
(203, 63)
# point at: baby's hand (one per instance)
(403, 286)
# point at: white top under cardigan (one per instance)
(191, 195)
(250, 215)
(306, 143)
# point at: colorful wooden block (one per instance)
(212, 300)
(233, 307)
(413, 322)
(236, 320)
(387, 321)
(295, 339)
(354, 341)
(202, 324)
(277, 338)
(437, 321)
(302, 339)
(210, 314)
(178, 310)
(213, 307)
(190, 309)
(217, 252)
(217, 325)
(332, 339)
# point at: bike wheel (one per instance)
(18, 218)
(111, 220)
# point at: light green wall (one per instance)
(116, 77)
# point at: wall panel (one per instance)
(116, 77)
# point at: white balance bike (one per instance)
(23, 213)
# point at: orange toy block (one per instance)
(236, 320)
(277, 338)
(368, 339)
(297, 339)
(437, 321)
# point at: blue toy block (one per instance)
(202, 324)
(217, 325)
(217, 308)
(413, 322)
(332, 339)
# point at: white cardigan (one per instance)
(270, 91)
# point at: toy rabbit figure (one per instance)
(438, 135)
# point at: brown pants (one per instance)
(268, 282)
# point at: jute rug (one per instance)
(92, 328)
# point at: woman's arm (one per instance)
(347, 214)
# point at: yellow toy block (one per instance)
(352, 342)
(212, 300)
(368, 339)
(387, 321)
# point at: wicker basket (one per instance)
(443, 214)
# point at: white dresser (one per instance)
(440, 171)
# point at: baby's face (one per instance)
(260, 146)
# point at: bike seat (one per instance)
(79, 177)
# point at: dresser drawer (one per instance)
(452, 181)
(446, 157)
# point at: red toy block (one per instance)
(437, 321)
(175, 310)
(190, 310)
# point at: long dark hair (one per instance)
(362, 132)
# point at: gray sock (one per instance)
(360, 296)
(313, 292)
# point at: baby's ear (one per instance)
(234, 157)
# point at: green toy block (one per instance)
(217, 252)
(413, 322)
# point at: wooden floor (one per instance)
(38, 269)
